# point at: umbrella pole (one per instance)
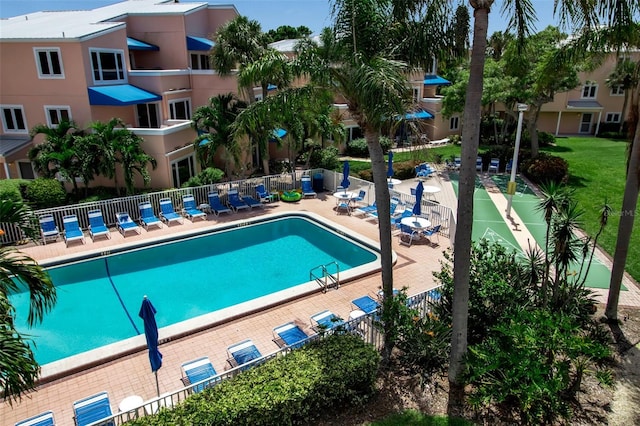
(157, 385)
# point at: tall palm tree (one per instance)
(106, 137)
(19, 272)
(626, 75)
(133, 159)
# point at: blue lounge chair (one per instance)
(168, 213)
(96, 225)
(252, 202)
(48, 228)
(392, 210)
(92, 409)
(365, 210)
(235, 202)
(189, 208)
(423, 170)
(325, 320)
(42, 419)
(147, 216)
(72, 231)
(196, 371)
(242, 353)
(395, 221)
(262, 194)
(216, 205)
(307, 188)
(289, 334)
(366, 304)
(125, 224)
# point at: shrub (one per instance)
(205, 177)
(455, 139)
(359, 148)
(546, 168)
(546, 139)
(339, 370)
(43, 193)
(10, 189)
(366, 175)
(326, 158)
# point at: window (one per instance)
(183, 170)
(56, 114)
(257, 98)
(107, 65)
(148, 116)
(200, 62)
(13, 119)
(49, 62)
(26, 170)
(617, 90)
(589, 91)
(454, 122)
(180, 109)
(416, 94)
(612, 117)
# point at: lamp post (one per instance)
(511, 186)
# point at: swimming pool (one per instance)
(194, 282)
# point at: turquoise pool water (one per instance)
(99, 298)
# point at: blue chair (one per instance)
(189, 208)
(509, 166)
(242, 353)
(289, 334)
(262, 194)
(92, 409)
(325, 320)
(360, 198)
(423, 170)
(252, 202)
(147, 216)
(431, 232)
(479, 164)
(366, 304)
(494, 165)
(216, 205)
(456, 163)
(307, 188)
(408, 235)
(168, 213)
(365, 210)
(72, 231)
(196, 371)
(235, 202)
(395, 221)
(392, 210)
(42, 419)
(96, 225)
(125, 224)
(48, 228)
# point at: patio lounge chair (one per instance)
(42, 419)
(147, 216)
(125, 224)
(325, 320)
(48, 228)
(392, 211)
(242, 353)
(96, 225)
(307, 188)
(189, 208)
(366, 304)
(365, 210)
(72, 231)
(262, 194)
(395, 221)
(423, 170)
(289, 334)
(196, 371)
(168, 213)
(494, 165)
(92, 409)
(252, 202)
(235, 202)
(216, 205)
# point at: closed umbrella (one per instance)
(148, 315)
(345, 176)
(417, 207)
(390, 167)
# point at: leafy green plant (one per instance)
(359, 148)
(545, 168)
(205, 177)
(10, 189)
(326, 158)
(42, 193)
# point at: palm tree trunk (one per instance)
(462, 257)
(532, 127)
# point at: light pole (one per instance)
(511, 186)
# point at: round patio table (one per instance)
(417, 223)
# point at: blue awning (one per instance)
(418, 115)
(272, 87)
(435, 80)
(204, 142)
(120, 95)
(135, 44)
(199, 43)
(281, 133)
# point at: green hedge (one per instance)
(332, 373)
(43, 193)
(10, 189)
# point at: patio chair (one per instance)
(325, 320)
(395, 221)
(252, 202)
(48, 228)
(168, 213)
(392, 210)
(125, 224)
(408, 235)
(479, 164)
(262, 194)
(235, 202)
(242, 353)
(366, 304)
(494, 165)
(190, 210)
(216, 205)
(365, 210)
(92, 409)
(423, 170)
(72, 231)
(196, 371)
(42, 419)
(431, 232)
(147, 216)
(290, 335)
(509, 166)
(307, 188)
(96, 225)
(456, 163)
(360, 198)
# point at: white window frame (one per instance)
(100, 69)
(200, 57)
(57, 108)
(49, 51)
(617, 90)
(592, 89)
(454, 122)
(173, 165)
(157, 108)
(416, 93)
(613, 117)
(172, 110)
(13, 109)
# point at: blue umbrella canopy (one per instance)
(148, 315)
(417, 207)
(345, 176)
(390, 167)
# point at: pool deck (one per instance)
(131, 374)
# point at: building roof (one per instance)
(10, 144)
(584, 105)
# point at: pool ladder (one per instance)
(324, 278)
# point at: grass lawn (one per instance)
(597, 172)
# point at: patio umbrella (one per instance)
(148, 315)
(345, 176)
(417, 207)
(390, 167)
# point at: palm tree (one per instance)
(133, 159)
(105, 138)
(17, 273)
(626, 76)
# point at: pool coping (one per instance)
(95, 357)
